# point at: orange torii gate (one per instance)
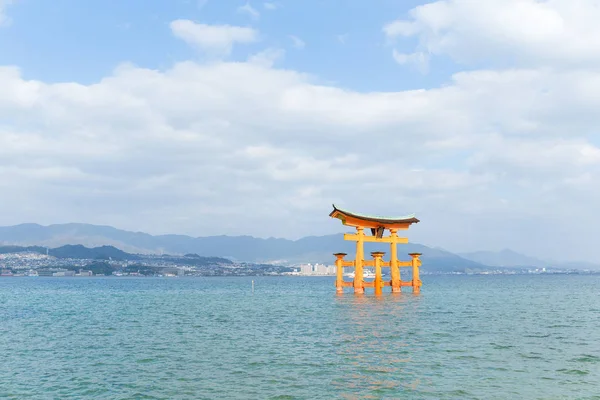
(378, 226)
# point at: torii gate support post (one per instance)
(416, 281)
(394, 268)
(339, 266)
(378, 283)
(359, 260)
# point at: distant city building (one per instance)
(306, 269)
(320, 269)
(64, 273)
(317, 269)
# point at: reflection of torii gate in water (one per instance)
(378, 225)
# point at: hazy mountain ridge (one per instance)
(107, 253)
(510, 259)
(504, 258)
(247, 248)
(76, 251)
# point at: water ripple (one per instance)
(462, 338)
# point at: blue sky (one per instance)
(83, 41)
(171, 117)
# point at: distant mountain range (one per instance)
(510, 259)
(106, 253)
(246, 248)
(74, 251)
(504, 258)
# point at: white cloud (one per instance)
(267, 58)
(219, 38)
(298, 43)
(249, 10)
(241, 148)
(526, 32)
(4, 20)
(270, 5)
(420, 60)
(491, 156)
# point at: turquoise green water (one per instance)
(486, 337)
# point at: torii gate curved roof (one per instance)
(372, 221)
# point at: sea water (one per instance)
(463, 337)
